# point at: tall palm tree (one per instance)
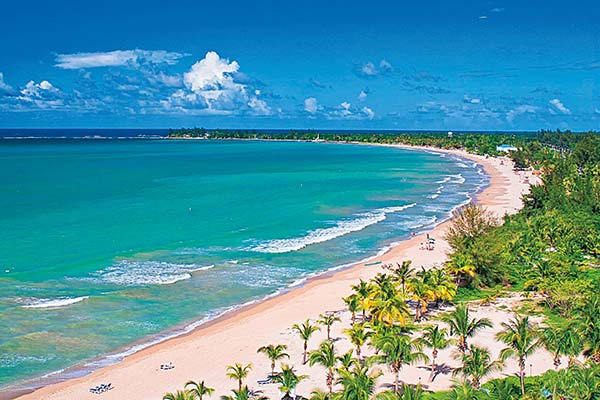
(243, 394)
(463, 326)
(352, 302)
(178, 395)
(462, 267)
(522, 340)
(325, 355)
(477, 364)
(396, 351)
(238, 372)
(305, 331)
(391, 310)
(363, 291)
(327, 320)
(589, 328)
(347, 360)
(199, 389)
(358, 383)
(274, 353)
(288, 379)
(358, 336)
(442, 285)
(436, 339)
(422, 293)
(403, 273)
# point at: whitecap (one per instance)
(53, 303)
(320, 235)
(142, 273)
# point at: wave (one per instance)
(325, 234)
(143, 273)
(54, 303)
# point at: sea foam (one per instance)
(142, 273)
(54, 303)
(320, 235)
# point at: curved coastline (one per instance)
(55, 382)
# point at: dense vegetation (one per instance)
(550, 249)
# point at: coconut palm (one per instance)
(589, 328)
(347, 360)
(178, 395)
(390, 310)
(396, 351)
(422, 293)
(464, 391)
(199, 389)
(305, 331)
(327, 320)
(436, 339)
(362, 291)
(463, 326)
(358, 383)
(325, 355)
(353, 304)
(274, 353)
(462, 267)
(522, 340)
(238, 372)
(503, 389)
(477, 364)
(403, 273)
(319, 395)
(358, 336)
(562, 342)
(288, 379)
(244, 394)
(442, 285)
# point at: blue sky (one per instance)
(448, 65)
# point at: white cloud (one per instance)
(311, 105)
(522, 109)
(345, 109)
(362, 96)
(369, 69)
(117, 58)
(597, 110)
(259, 107)
(368, 112)
(497, 10)
(4, 87)
(483, 17)
(559, 106)
(385, 66)
(38, 90)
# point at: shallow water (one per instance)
(99, 239)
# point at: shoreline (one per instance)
(487, 196)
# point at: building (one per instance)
(507, 148)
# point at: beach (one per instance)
(234, 337)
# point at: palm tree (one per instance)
(347, 360)
(274, 353)
(319, 395)
(422, 293)
(325, 355)
(464, 391)
(358, 336)
(305, 331)
(353, 304)
(238, 372)
(327, 320)
(522, 340)
(477, 364)
(442, 286)
(178, 395)
(288, 379)
(462, 267)
(390, 311)
(403, 273)
(589, 328)
(503, 389)
(436, 339)
(463, 326)
(199, 389)
(358, 383)
(243, 394)
(562, 342)
(396, 351)
(362, 291)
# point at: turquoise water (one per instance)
(105, 243)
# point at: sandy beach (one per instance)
(204, 353)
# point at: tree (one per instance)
(199, 389)
(462, 267)
(362, 292)
(325, 355)
(436, 339)
(464, 391)
(327, 320)
(442, 286)
(178, 395)
(422, 293)
(463, 326)
(522, 340)
(468, 223)
(238, 372)
(305, 331)
(390, 310)
(477, 364)
(358, 336)
(588, 321)
(274, 353)
(396, 351)
(358, 383)
(288, 379)
(352, 302)
(503, 389)
(403, 273)
(243, 394)
(347, 361)
(562, 342)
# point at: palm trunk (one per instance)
(304, 353)
(273, 367)
(329, 382)
(433, 357)
(358, 352)
(522, 374)
(328, 332)
(353, 318)
(397, 381)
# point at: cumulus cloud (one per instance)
(370, 69)
(346, 110)
(557, 105)
(522, 109)
(362, 96)
(368, 112)
(117, 58)
(311, 105)
(4, 87)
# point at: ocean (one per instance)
(107, 246)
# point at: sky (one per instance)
(426, 65)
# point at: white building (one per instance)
(507, 148)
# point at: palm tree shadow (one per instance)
(440, 369)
